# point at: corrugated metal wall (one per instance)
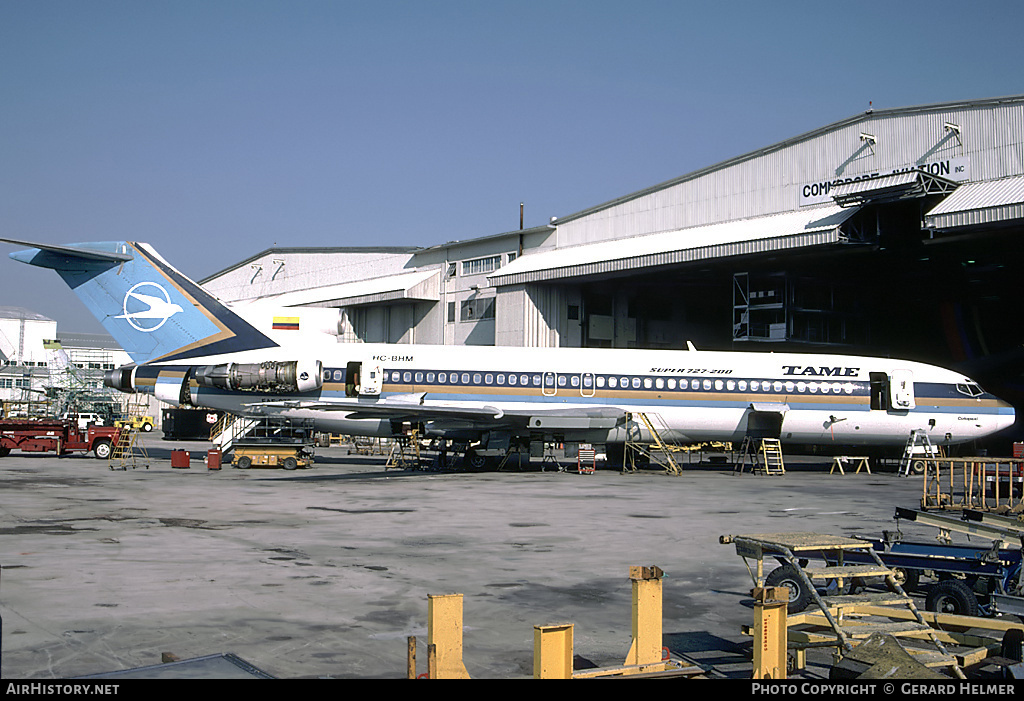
(990, 145)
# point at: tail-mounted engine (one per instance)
(271, 376)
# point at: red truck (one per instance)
(56, 435)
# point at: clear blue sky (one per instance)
(214, 129)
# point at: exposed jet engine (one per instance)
(271, 376)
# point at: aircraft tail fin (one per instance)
(151, 309)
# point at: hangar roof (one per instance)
(985, 202)
(807, 136)
(420, 284)
(807, 227)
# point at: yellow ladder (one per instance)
(122, 453)
(771, 457)
(660, 445)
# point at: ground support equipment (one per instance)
(658, 450)
(765, 455)
(289, 457)
(985, 581)
(845, 619)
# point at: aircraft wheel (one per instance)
(917, 467)
(102, 449)
(787, 576)
(476, 461)
(244, 462)
(952, 596)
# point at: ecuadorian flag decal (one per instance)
(286, 323)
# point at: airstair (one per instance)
(764, 455)
(226, 432)
(845, 619)
(657, 450)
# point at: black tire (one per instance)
(952, 596)
(4, 452)
(243, 463)
(477, 462)
(147, 427)
(787, 576)
(290, 463)
(101, 449)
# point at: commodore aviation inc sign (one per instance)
(147, 307)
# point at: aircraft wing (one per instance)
(415, 408)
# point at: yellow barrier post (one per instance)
(770, 632)
(552, 651)
(444, 632)
(646, 646)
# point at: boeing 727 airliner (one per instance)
(189, 349)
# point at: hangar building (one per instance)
(894, 232)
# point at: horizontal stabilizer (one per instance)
(32, 257)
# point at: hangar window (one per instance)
(475, 309)
(479, 266)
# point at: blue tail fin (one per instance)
(153, 311)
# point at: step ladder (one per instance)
(662, 452)
(918, 445)
(405, 452)
(122, 452)
(846, 619)
(764, 454)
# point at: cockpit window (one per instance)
(971, 389)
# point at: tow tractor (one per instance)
(62, 436)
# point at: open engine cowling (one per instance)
(270, 376)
